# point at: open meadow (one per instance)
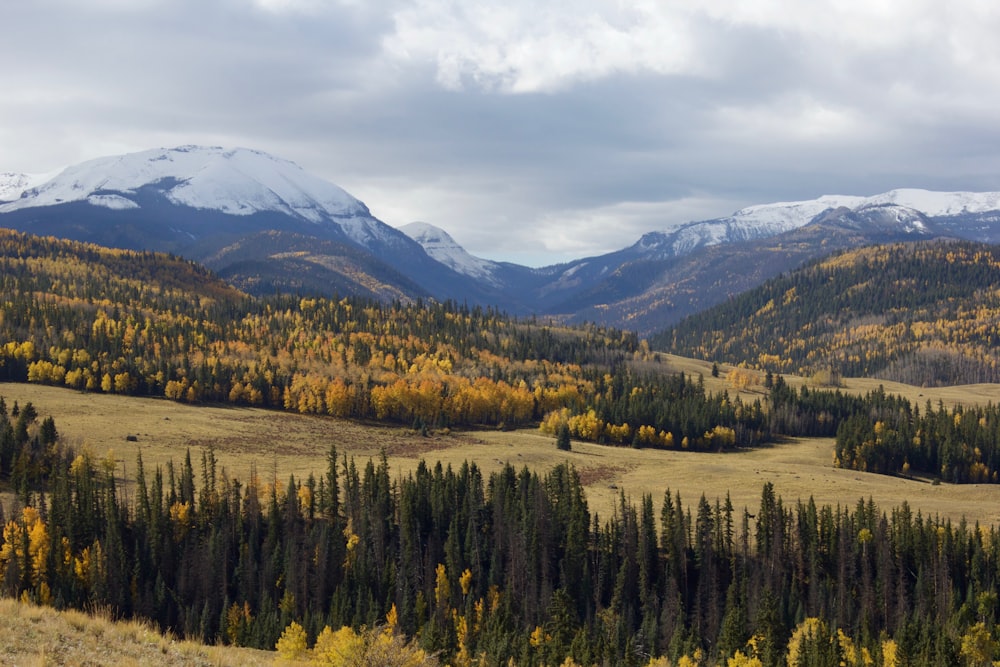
(279, 444)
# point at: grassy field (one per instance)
(40, 636)
(278, 444)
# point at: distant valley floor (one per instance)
(278, 444)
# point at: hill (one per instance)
(115, 329)
(924, 314)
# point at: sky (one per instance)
(532, 131)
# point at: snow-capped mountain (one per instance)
(765, 220)
(442, 247)
(238, 182)
(215, 205)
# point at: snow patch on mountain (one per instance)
(442, 247)
(908, 207)
(790, 215)
(905, 218)
(114, 202)
(940, 204)
(13, 185)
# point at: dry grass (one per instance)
(278, 444)
(40, 636)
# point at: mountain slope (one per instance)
(667, 275)
(198, 201)
(647, 292)
(924, 313)
(274, 262)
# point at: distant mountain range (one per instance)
(267, 225)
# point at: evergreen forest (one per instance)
(457, 568)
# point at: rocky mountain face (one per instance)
(267, 225)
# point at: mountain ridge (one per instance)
(224, 206)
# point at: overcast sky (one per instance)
(531, 131)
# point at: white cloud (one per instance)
(794, 118)
(523, 47)
(603, 229)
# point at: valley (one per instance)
(278, 444)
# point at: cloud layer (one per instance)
(530, 132)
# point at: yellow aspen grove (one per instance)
(32, 526)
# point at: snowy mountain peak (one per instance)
(442, 247)
(903, 210)
(940, 204)
(234, 181)
(930, 203)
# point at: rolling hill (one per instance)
(917, 313)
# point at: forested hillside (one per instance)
(453, 565)
(921, 313)
(145, 324)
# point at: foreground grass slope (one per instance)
(36, 636)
